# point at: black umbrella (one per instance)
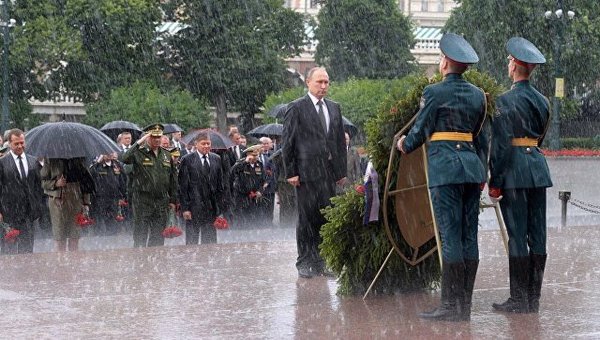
(349, 127)
(113, 129)
(277, 111)
(170, 128)
(217, 140)
(68, 140)
(273, 129)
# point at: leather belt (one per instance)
(452, 136)
(524, 141)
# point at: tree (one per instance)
(489, 24)
(364, 39)
(232, 51)
(145, 103)
(80, 48)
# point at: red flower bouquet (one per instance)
(119, 217)
(123, 203)
(360, 189)
(171, 232)
(10, 234)
(220, 223)
(83, 220)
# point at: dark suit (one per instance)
(319, 159)
(21, 201)
(202, 193)
(269, 192)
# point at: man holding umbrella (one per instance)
(154, 187)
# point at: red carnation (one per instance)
(83, 220)
(119, 218)
(11, 235)
(123, 203)
(252, 194)
(360, 189)
(220, 223)
(171, 232)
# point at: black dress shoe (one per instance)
(305, 273)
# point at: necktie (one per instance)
(205, 165)
(21, 167)
(322, 115)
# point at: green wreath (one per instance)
(354, 251)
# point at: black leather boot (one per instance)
(453, 295)
(470, 274)
(518, 302)
(537, 265)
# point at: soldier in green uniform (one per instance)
(249, 182)
(520, 175)
(154, 187)
(451, 115)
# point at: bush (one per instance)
(580, 143)
(355, 252)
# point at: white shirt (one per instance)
(203, 159)
(315, 100)
(24, 159)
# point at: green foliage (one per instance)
(234, 50)
(581, 143)
(364, 39)
(355, 252)
(144, 103)
(359, 98)
(489, 24)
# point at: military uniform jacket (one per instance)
(152, 175)
(110, 180)
(247, 179)
(520, 112)
(452, 105)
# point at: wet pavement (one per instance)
(251, 291)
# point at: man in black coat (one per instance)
(314, 151)
(110, 182)
(201, 192)
(21, 195)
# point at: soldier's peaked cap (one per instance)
(253, 149)
(458, 49)
(155, 130)
(524, 50)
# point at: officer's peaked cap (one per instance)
(155, 130)
(525, 51)
(458, 49)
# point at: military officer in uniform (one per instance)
(154, 186)
(449, 120)
(110, 182)
(520, 176)
(249, 183)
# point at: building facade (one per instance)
(429, 16)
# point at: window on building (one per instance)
(424, 6)
(440, 5)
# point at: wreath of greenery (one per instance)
(355, 251)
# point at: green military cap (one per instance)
(456, 48)
(524, 51)
(254, 149)
(175, 152)
(155, 130)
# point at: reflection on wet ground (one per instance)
(251, 291)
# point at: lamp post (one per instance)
(559, 81)
(6, 24)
